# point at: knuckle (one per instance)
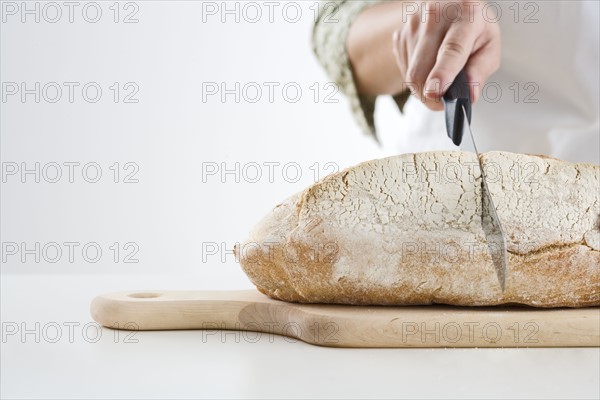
(452, 48)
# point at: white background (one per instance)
(171, 135)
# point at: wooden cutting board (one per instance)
(350, 326)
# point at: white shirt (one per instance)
(544, 99)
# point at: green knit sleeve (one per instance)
(329, 45)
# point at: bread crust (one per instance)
(406, 230)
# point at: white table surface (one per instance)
(185, 364)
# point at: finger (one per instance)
(423, 59)
(421, 63)
(481, 65)
(402, 48)
(451, 57)
(398, 53)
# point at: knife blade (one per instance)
(457, 105)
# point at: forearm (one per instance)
(369, 47)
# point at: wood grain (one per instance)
(350, 326)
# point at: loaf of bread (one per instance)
(407, 230)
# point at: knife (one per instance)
(457, 106)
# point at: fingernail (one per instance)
(432, 87)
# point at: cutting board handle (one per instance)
(158, 310)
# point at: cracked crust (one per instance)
(407, 230)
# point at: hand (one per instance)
(440, 38)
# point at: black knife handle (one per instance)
(457, 97)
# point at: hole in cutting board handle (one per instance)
(144, 295)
